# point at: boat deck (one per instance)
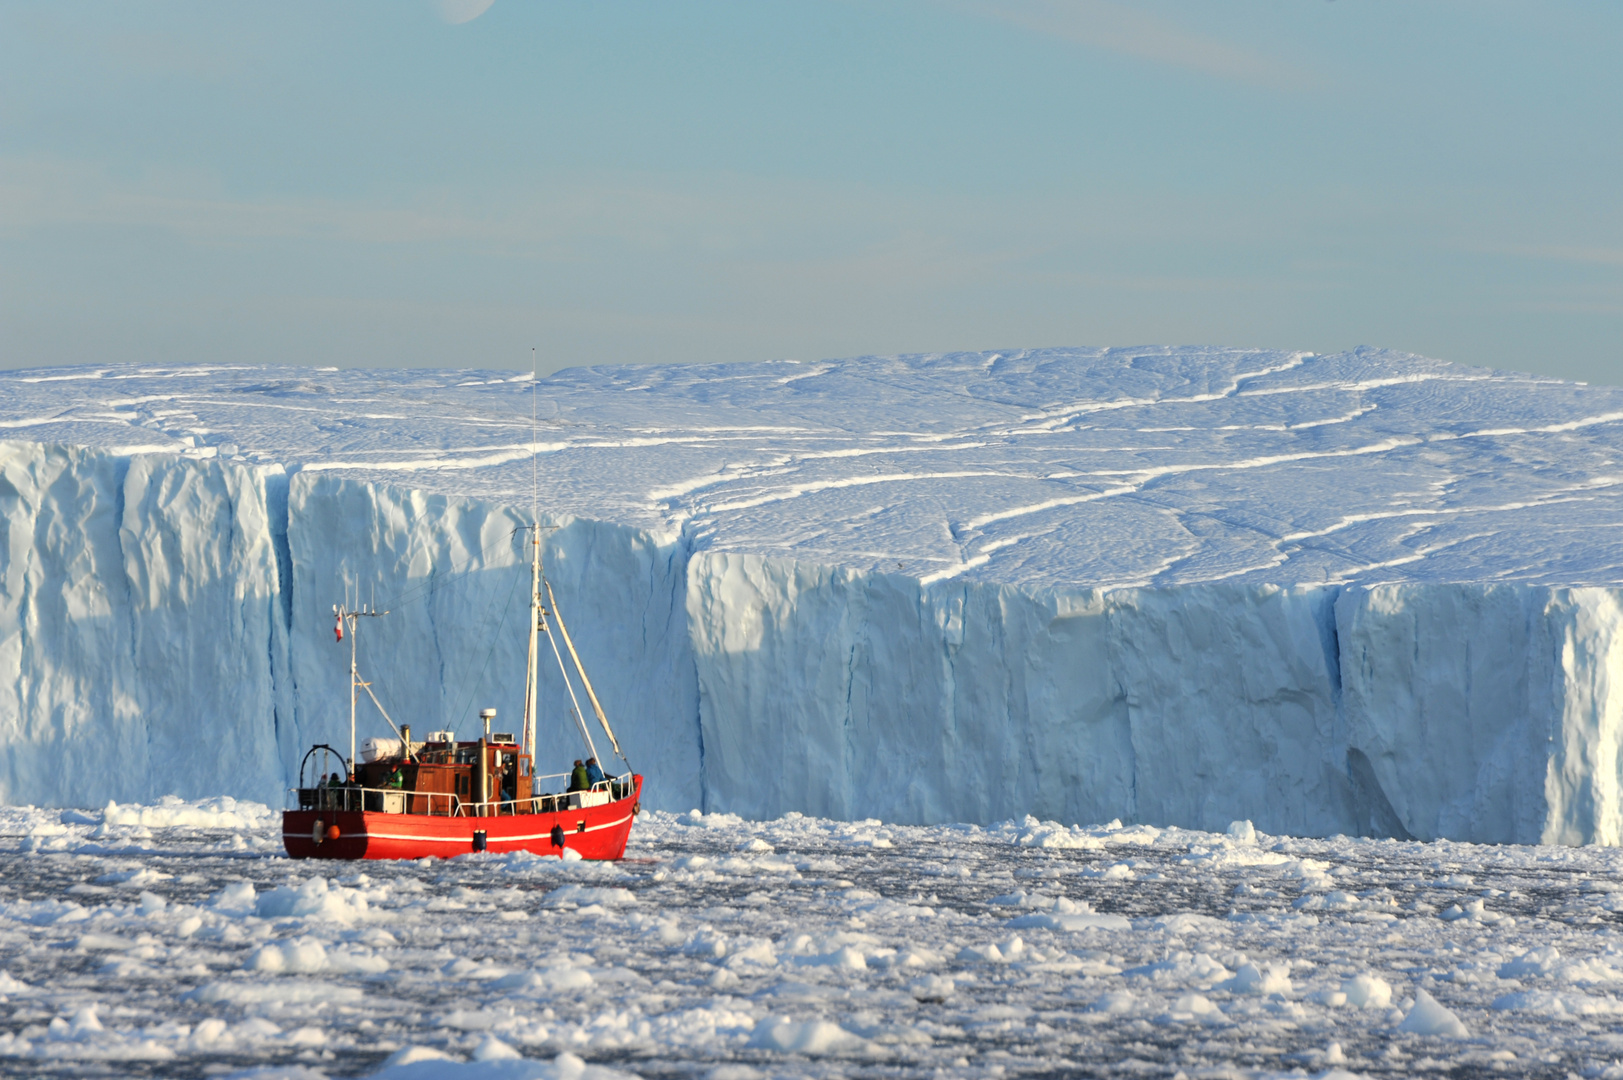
(371, 823)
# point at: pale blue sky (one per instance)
(373, 184)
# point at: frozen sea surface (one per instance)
(176, 940)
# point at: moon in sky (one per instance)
(461, 11)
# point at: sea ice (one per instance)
(1428, 1017)
(855, 960)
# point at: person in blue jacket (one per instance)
(594, 774)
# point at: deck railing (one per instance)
(440, 804)
(375, 800)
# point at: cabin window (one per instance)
(524, 766)
(462, 785)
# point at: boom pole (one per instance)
(354, 680)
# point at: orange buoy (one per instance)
(332, 832)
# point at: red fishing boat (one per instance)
(447, 796)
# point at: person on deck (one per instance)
(334, 783)
(594, 774)
(577, 777)
(397, 779)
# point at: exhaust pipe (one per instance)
(487, 715)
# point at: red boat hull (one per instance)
(594, 832)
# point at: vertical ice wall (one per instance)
(1469, 711)
(138, 627)
(166, 626)
(1488, 712)
(851, 694)
(1583, 779)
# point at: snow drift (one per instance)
(1368, 593)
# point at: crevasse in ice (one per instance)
(1364, 593)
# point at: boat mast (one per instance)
(354, 680)
(532, 686)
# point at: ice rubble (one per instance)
(802, 947)
(1367, 593)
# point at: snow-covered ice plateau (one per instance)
(173, 939)
(1365, 593)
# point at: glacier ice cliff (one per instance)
(1365, 593)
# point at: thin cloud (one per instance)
(1594, 256)
(1115, 28)
(712, 215)
(1571, 307)
(456, 12)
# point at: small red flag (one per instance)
(338, 628)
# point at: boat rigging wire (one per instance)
(427, 585)
(495, 639)
(586, 682)
(430, 584)
(387, 719)
(367, 686)
(579, 720)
